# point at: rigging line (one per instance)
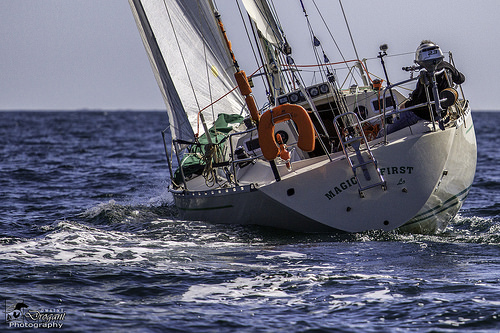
(226, 94)
(329, 31)
(272, 8)
(315, 40)
(391, 55)
(249, 39)
(333, 63)
(215, 34)
(270, 15)
(269, 20)
(218, 99)
(206, 65)
(211, 31)
(349, 75)
(337, 46)
(321, 72)
(323, 65)
(260, 50)
(287, 77)
(349, 29)
(296, 76)
(211, 34)
(281, 48)
(208, 82)
(182, 55)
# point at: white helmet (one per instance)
(428, 55)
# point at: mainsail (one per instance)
(260, 13)
(190, 61)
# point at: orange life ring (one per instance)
(300, 117)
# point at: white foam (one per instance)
(75, 243)
(282, 255)
(252, 289)
(71, 242)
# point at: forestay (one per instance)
(190, 60)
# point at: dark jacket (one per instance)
(418, 95)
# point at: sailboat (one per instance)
(302, 151)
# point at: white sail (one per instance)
(190, 61)
(263, 19)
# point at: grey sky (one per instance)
(87, 54)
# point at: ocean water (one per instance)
(89, 242)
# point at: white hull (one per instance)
(428, 176)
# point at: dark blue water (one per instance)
(87, 230)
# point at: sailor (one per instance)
(418, 96)
(444, 80)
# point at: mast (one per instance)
(269, 40)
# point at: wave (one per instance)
(487, 184)
(114, 215)
(476, 225)
(151, 234)
(462, 229)
(487, 212)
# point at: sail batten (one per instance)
(190, 61)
